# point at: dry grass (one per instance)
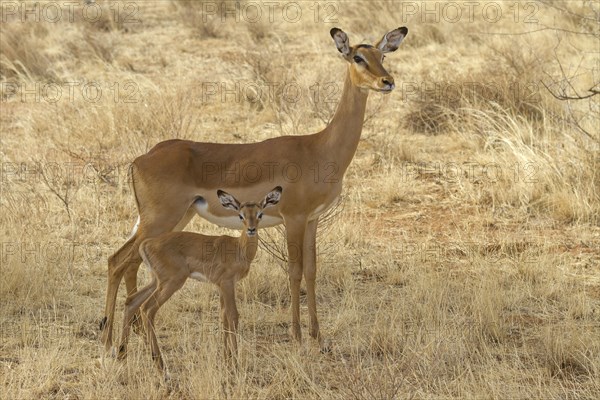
(464, 262)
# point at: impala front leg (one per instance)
(310, 274)
(295, 241)
(230, 317)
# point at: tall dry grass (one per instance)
(463, 262)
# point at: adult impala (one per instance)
(174, 174)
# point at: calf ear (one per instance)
(341, 41)
(228, 201)
(272, 197)
(391, 40)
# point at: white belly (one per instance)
(135, 228)
(322, 208)
(199, 276)
(232, 221)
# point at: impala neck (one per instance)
(248, 246)
(341, 136)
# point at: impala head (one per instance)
(366, 61)
(250, 213)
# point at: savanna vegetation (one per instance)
(463, 261)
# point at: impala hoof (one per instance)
(122, 355)
(102, 324)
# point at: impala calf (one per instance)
(176, 256)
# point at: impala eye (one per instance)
(241, 217)
(358, 59)
(259, 215)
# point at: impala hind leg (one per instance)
(131, 287)
(295, 238)
(126, 258)
(159, 296)
(132, 307)
(131, 273)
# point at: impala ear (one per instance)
(391, 40)
(341, 41)
(272, 197)
(228, 201)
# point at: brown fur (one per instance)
(170, 176)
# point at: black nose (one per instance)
(251, 230)
(388, 81)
